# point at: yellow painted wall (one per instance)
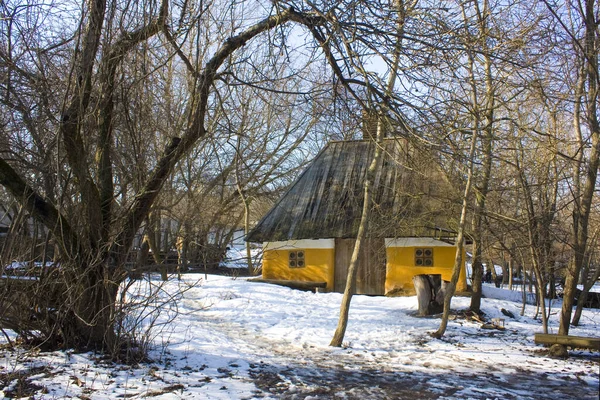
(319, 266)
(401, 268)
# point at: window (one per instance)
(423, 257)
(296, 259)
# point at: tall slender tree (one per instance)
(586, 169)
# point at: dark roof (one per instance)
(326, 200)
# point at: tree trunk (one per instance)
(481, 189)
(183, 245)
(246, 203)
(86, 315)
(551, 294)
(477, 275)
(340, 331)
(153, 237)
(430, 293)
(492, 268)
(510, 273)
(458, 258)
(251, 268)
(539, 288)
(141, 258)
(582, 206)
(588, 284)
(524, 295)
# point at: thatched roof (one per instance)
(326, 200)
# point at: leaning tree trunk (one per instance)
(541, 295)
(340, 331)
(458, 258)
(582, 298)
(483, 108)
(246, 202)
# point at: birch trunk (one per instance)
(458, 258)
(340, 331)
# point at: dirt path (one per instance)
(340, 379)
(286, 371)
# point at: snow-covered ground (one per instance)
(234, 339)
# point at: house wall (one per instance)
(401, 263)
(319, 259)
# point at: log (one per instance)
(300, 285)
(439, 297)
(430, 293)
(582, 342)
(424, 293)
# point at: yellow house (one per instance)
(309, 233)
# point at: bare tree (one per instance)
(583, 33)
(116, 67)
(94, 241)
(482, 109)
(403, 10)
(460, 238)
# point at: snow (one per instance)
(235, 257)
(234, 339)
(595, 287)
(469, 270)
(22, 265)
(516, 295)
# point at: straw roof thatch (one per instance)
(326, 200)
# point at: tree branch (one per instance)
(71, 119)
(196, 130)
(110, 62)
(38, 207)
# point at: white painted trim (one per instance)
(415, 242)
(300, 244)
